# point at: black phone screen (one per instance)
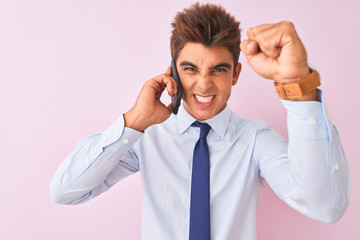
(176, 99)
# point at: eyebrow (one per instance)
(222, 64)
(186, 63)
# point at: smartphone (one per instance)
(176, 99)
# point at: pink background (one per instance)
(69, 68)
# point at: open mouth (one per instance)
(204, 101)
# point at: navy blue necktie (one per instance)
(200, 188)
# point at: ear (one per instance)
(237, 73)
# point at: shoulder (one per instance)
(169, 126)
(242, 123)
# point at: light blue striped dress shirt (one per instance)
(309, 172)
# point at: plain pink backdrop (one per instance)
(69, 68)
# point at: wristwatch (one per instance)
(300, 88)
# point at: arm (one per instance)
(95, 165)
(101, 160)
(310, 172)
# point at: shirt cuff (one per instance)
(307, 119)
(117, 131)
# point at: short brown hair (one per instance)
(207, 24)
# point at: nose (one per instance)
(204, 82)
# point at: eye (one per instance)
(219, 70)
(189, 69)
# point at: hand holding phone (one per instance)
(176, 99)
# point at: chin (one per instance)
(200, 113)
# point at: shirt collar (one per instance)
(218, 123)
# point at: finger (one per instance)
(255, 57)
(168, 71)
(166, 81)
(174, 83)
(161, 89)
(259, 28)
(170, 85)
(270, 37)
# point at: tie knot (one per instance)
(204, 128)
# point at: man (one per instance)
(309, 172)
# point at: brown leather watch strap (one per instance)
(298, 89)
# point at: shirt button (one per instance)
(126, 141)
(337, 166)
(116, 134)
(312, 121)
(327, 116)
(87, 161)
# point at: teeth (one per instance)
(204, 99)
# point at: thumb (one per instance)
(249, 47)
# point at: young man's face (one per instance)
(207, 76)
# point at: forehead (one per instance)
(202, 55)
